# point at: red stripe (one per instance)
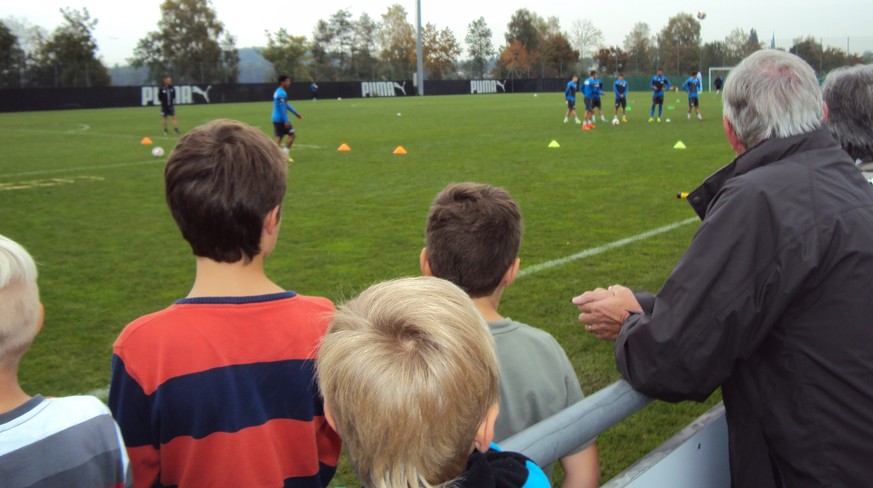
(191, 338)
(256, 456)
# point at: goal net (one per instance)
(718, 71)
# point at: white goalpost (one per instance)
(718, 71)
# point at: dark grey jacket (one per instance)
(773, 301)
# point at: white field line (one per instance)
(536, 268)
(103, 393)
(82, 168)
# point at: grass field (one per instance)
(86, 198)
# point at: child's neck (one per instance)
(11, 394)
(487, 305)
(232, 279)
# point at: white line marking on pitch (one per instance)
(536, 268)
(82, 128)
(81, 168)
(103, 393)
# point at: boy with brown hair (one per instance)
(70, 441)
(409, 379)
(218, 389)
(473, 235)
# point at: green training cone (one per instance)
(554, 144)
(679, 145)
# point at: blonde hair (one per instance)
(19, 301)
(408, 371)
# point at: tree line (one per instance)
(191, 44)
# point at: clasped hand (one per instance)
(604, 310)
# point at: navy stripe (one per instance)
(85, 454)
(237, 300)
(134, 418)
(225, 399)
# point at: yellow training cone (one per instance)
(554, 144)
(679, 145)
(344, 147)
(146, 141)
(400, 150)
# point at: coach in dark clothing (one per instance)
(771, 301)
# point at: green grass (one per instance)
(86, 198)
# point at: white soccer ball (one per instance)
(615, 122)
(701, 14)
(157, 151)
(668, 120)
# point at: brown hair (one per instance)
(473, 235)
(408, 372)
(222, 180)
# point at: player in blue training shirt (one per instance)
(660, 84)
(589, 88)
(692, 87)
(620, 90)
(595, 99)
(570, 96)
(281, 122)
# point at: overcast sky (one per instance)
(122, 24)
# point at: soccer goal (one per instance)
(718, 71)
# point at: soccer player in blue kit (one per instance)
(589, 88)
(660, 84)
(692, 87)
(281, 122)
(595, 98)
(619, 87)
(570, 96)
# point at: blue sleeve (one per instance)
(291, 109)
(535, 477)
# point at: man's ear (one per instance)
(272, 220)
(511, 273)
(424, 263)
(732, 137)
(485, 433)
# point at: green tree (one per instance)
(524, 27)
(638, 45)
(190, 44)
(715, 54)
(809, 49)
(287, 54)
(366, 47)
(11, 58)
(398, 42)
(69, 56)
(679, 45)
(557, 56)
(479, 46)
(611, 59)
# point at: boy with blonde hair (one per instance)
(218, 388)
(69, 441)
(409, 379)
(473, 236)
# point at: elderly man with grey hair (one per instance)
(771, 301)
(848, 93)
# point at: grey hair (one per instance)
(772, 94)
(848, 93)
(19, 301)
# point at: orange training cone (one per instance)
(146, 141)
(344, 147)
(400, 150)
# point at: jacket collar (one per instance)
(766, 152)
